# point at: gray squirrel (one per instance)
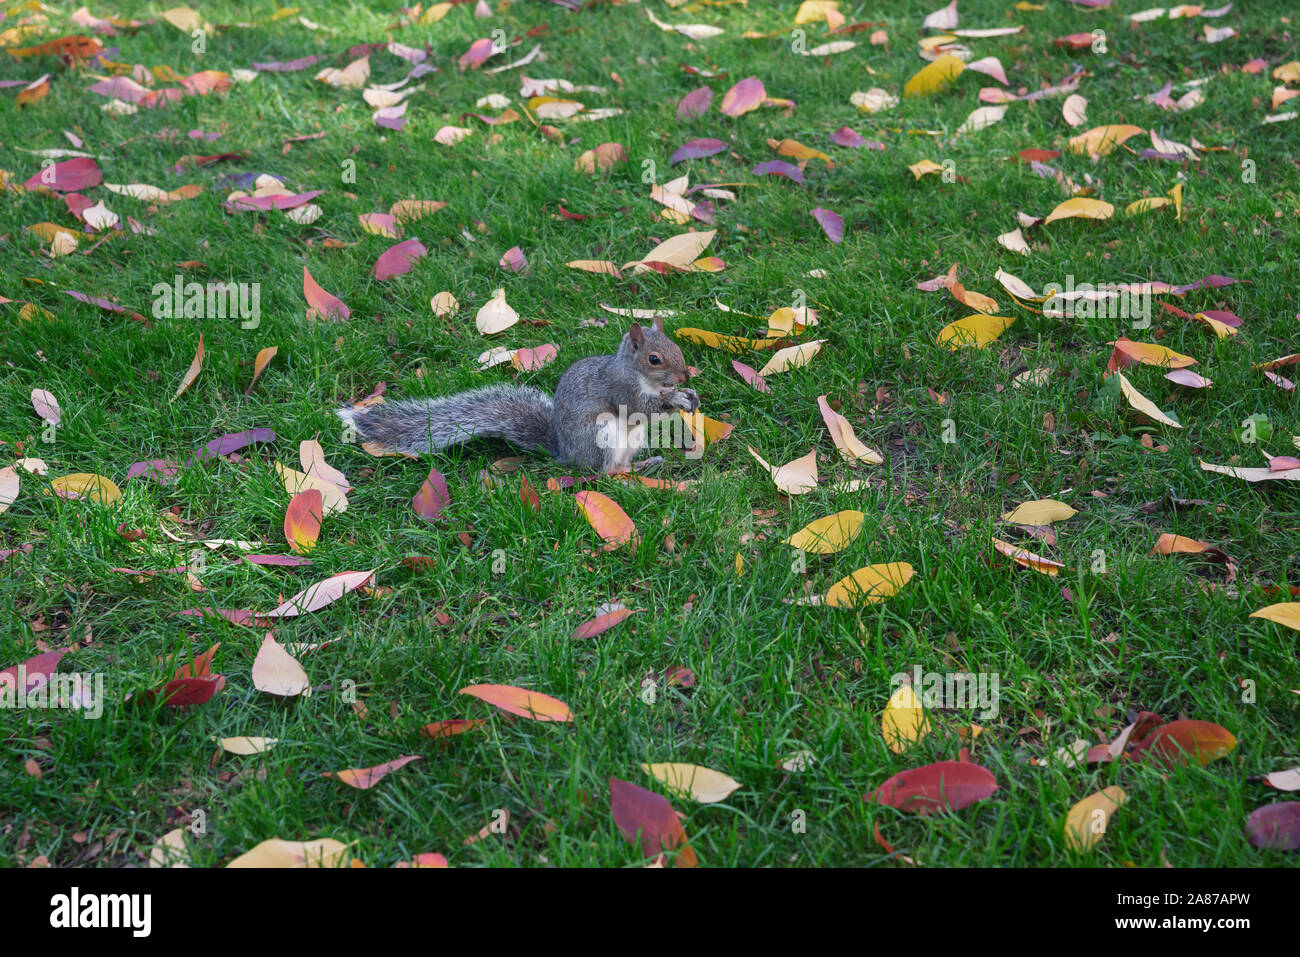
(597, 420)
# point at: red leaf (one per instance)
(1173, 743)
(432, 497)
(639, 811)
(944, 785)
(70, 176)
(601, 623)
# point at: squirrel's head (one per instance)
(655, 356)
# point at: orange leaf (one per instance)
(520, 701)
(610, 522)
(193, 372)
(302, 520)
(363, 778)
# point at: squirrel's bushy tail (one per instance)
(518, 414)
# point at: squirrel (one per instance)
(598, 419)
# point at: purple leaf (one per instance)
(832, 223)
(288, 66)
(292, 560)
(697, 149)
(231, 442)
(162, 471)
(1275, 826)
(694, 103)
(397, 260)
(744, 96)
(778, 168)
(1188, 378)
(847, 137)
(1205, 282)
(275, 202)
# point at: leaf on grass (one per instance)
(745, 96)
(601, 623)
(397, 260)
(8, 487)
(321, 304)
(192, 372)
(904, 722)
(680, 251)
(1044, 511)
(935, 77)
(638, 811)
(791, 357)
(832, 224)
(1102, 140)
(851, 448)
(495, 315)
(869, 585)
(1144, 405)
(693, 781)
(749, 375)
(1127, 353)
(46, 406)
(521, 702)
(793, 478)
(277, 672)
(88, 486)
(432, 497)
(325, 852)
(320, 594)
(1081, 208)
(335, 501)
(829, 534)
(1028, 559)
(601, 157)
(1086, 823)
(610, 522)
(943, 786)
(977, 331)
(1285, 613)
(1275, 826)
(263, 359)
(245, 745)
(302, 520)
(365, 778)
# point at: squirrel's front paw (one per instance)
(684, 399)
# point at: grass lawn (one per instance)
(1076, 655)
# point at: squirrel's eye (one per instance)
(654, 359)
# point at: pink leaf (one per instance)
(750, 376)
(778, 168)
(514, 260)
(70, 176)
(832, 223)
(320, 304)
(432, 497)
(397, 260)
(696, 149)
(746, 95)
(694, 103)
(847, 137)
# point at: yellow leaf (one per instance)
(693, 781)
(87, 485)
(1043, 511)
(680, 251)
(796, 150)
(1086, 822)
(1142, 403)
(247, 745)
(977, 331)
(1176, 194)
(851, 448)
(325, 852)
(192, 372)
(904, 722)
(716, 340)
(1286, 613)
(791, 357)
(828, 535)
(1146, 205)
(925, 167)
(1081, 207)
(869, 585)
(935, 77)
(333, 497)
(603, 266)
(740, 565)
(443, 304)
(1027, 559)
(1102, 140)
(1288, 72)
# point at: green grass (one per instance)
(771, 678)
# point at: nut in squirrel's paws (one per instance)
(685, 399)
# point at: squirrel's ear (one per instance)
(657, 324)
(637, 334)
